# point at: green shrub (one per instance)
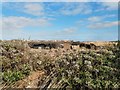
(12, 76)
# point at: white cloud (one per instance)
(76, 8)
(13, 22)
(101, 25)
(100, 18)
(13, 27)
(69, 30)
(34, 9)
(110, 5)
(31, 8)
(66, 32)
(107, 6)
(94, 19)
(110, 16)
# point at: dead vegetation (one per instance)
(24, 67)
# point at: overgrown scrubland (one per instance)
(74, 69)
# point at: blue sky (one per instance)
(80, 21)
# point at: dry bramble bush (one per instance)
(75, 69)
